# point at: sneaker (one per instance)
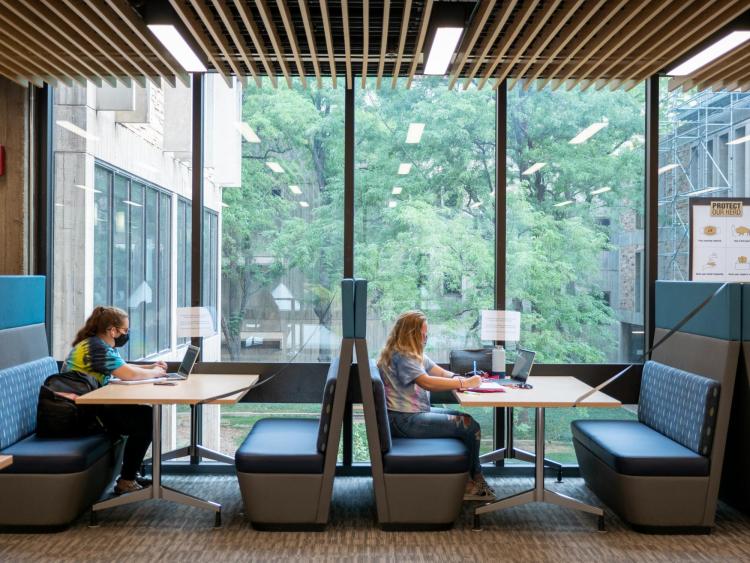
(480, 491)
(124, 486)
(143, 481)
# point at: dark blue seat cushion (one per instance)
(57, 455)
(426, 455)
(281, 445)
(632, 448)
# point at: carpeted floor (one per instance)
(159, 530)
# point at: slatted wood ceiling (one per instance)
(562, 43)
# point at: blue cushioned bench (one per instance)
(285, 466)
(654, 472)
(51, 481)
(419, 482)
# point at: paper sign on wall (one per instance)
(194, 321)
(720, 239)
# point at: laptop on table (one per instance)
(521, 369)
(186, 366)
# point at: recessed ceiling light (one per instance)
(396, 190)
(739, 140)
(178, 47)
(667, 168)
(275, 166)
(247, 132)
(443, 46)
(404, 168)
(563, 203)
(304, 204)
(589, 132)
(77, 130)
(601, 190)
(710, 53)
(59, 205)
(392, 204)
(533, 168)
(295, 190)
(414, 134)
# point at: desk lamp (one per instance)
(500, 326)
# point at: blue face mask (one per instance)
(121, 340)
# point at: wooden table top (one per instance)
(5, 461)
(547, 392)
(198, 388)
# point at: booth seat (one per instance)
(285, 466)
(51, 481)
(418, 482)
(655, 472)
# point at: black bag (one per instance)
(462, 361)
(61, 417)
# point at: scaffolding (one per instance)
(702, 153)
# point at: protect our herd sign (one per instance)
(720, 239)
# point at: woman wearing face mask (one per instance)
(94, 353)
(408, 377)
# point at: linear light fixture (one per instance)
(178, 47)
(563, 203)
(77, 130)
(247, 132)
(88, 189)
(443, 46)
(414, 134)
(295, 190)
(589, 132)
(275, 166)
(404, 168)
(396, 190)
(739, 140)
(533, 168)
(475, 204)
(601, 190)
(224, 204)
(667, 168)
(705, 191)
(304, 204)
(723, 45)
(133, 203)
(392, 204)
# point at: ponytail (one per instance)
(101, 319)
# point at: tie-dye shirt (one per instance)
(94, 357)
(402, 394)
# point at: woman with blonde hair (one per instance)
(95, 353)
(408, 377)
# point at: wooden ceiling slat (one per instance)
(518, 25)
(84, 32)
(222, 8)
(14, 76)
(39, 73)
(497, 26)
(722, 13)
(257, 39)
(194, 27)
(589, 32)
(383, 41)
(63, 45)
(566, 38)
(635, 43)
(549, 34)
(470, 39)
(165, 65)
(603, 40)
(273, 35)
(401, 42)
(726, 65)
(420, 41)
(217, 34)
(329, 40)
(347, 45)
(726, 74)
(58, 69)
(310, 34)
(528, 37)
(365, 40)
(286, 19)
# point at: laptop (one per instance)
(521, 369)
(186, 366)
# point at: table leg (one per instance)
(195, 450)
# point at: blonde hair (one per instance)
(101, 319)
(405, 338)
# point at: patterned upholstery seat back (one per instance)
(679, 404)
(19, 393)
(326, 409)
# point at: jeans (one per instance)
(440, 423)
(135, 422)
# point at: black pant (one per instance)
(135, 422)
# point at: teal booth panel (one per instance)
(347, 307)
(22, 301)
(720, 319)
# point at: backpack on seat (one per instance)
(58, 416)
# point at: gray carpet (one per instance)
(159, 530)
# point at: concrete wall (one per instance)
(14, 184)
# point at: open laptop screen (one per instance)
(522, 367)
(191, 354)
